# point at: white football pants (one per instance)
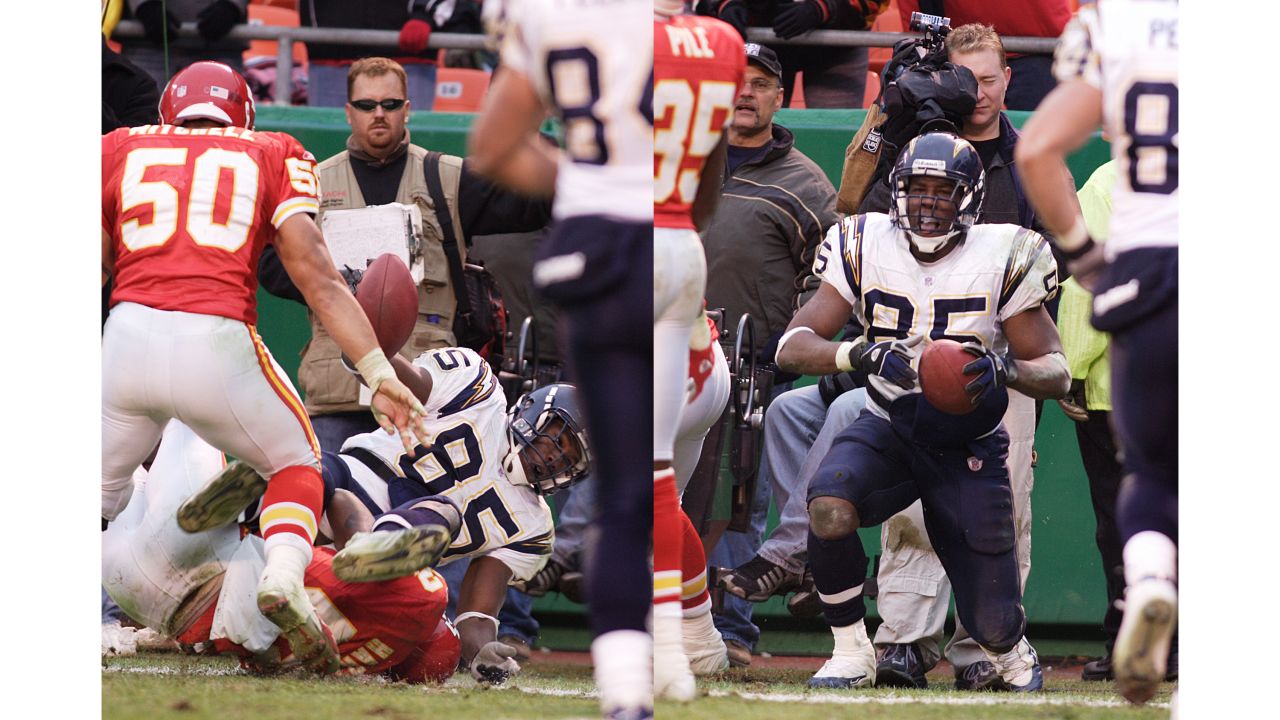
(212, 373)
(679, 281)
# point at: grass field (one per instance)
(169, 685)
(780, 694)
(154, 686)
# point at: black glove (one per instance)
(154, 19)
(218, 18)
(890, 359)
(1086, 263)
(836, 384)
(352, 276)
(798, 18)
(734, 12)
(993, 371)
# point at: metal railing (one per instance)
(188, 38)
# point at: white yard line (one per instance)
(893, 699)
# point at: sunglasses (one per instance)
(390, 104)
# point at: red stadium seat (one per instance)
(873, 89)
(460, 89)
(260, 14)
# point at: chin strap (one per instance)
(929, 245)
(512, 465)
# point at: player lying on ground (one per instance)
(187, 209)
(200, 588)
(925, 270)
(474, 492)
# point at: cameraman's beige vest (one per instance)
(327, 387)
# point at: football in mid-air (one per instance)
(942, 376)
(390, 300)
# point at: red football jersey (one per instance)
(190, 210)
(394, 626)
(698, 63)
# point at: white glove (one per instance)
(495, 663)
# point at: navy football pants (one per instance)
(1144, 398)
(968, 513)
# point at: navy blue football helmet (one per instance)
(551, 465)
(937, 154)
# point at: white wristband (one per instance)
(375, 369)
(844, 359)
(782, 341)
(469, 615)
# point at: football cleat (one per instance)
(1142, 645)
(758, 579)
(287, 606)
(849, 669)
(222, 498)
(704, 646)
(388, 554)
(901, 666)
(638, 712)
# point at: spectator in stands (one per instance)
(1032, 74)
(415, 19)
(776, 205)
(1089, 405)
(129, 96)
(913, 590)
(834, 77)
(381, 166)
(160, 21)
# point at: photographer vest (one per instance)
(326, 386)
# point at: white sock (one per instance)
(287, 557)
(1150, 554)
(623, 662)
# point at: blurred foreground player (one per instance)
(926, 270)
(187, 208)
(1117, 63)
(592, 64)
(199, 588)
(698, 66)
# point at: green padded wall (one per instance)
(1066, 585)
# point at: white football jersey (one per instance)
(998, 271)
(467, 422)
(592, 60)
(1129, 51)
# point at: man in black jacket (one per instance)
(416, 20)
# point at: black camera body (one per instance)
(922, 91)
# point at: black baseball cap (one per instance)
(765, 58)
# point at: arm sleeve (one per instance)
(487, 209)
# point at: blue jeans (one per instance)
(327, 85)
(332, 430)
